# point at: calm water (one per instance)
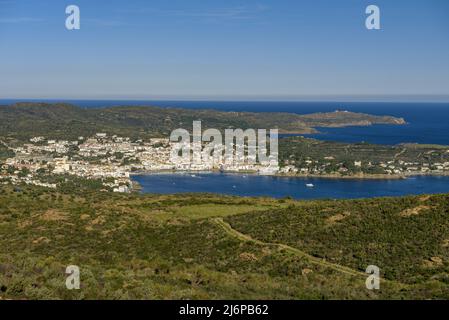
(278, 187)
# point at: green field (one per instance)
(219, 247)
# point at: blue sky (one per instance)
(278, 49)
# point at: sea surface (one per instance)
(279, 187)
(427, 123)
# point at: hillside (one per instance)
(62, 121)
(328, 157)
(214, 247)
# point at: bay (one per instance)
(279, 187)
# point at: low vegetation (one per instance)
(23, 121)
(219, 247)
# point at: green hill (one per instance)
(217, 247)
(63, 121)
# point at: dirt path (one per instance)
(321, 262)
(243, 237)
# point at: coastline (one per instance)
(346, 177)
(299, 187)
(286, 175)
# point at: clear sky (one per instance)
(281, 49)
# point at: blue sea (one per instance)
(427, 123)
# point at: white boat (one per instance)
(309, 185)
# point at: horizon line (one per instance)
(400, 98)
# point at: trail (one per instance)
(243, 237)
(318, 261)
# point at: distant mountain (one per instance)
(22, 121)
